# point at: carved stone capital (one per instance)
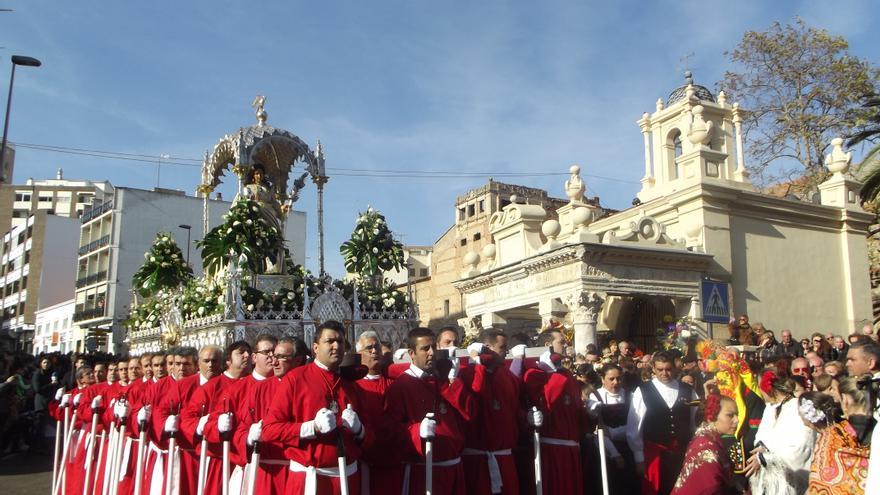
(585, 305)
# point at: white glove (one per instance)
(428, 426)
(453, 372)
(255, 432)
(399, 355)
(121, 409)
(144, 414)
(171, 423)
(473, 351)
(96, 402)
(224, 422)
(76, 399)
(325, 420)
(535, 417)
(351, 421)
(65, 400)
(59, 393)
(200, 428)
(518, 351)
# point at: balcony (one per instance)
(91, 279)
(82, 313)
(95, 211)
(92, 246)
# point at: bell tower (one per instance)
(692, 138)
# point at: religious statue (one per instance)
(574, 186)
(273, 208)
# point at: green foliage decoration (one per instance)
(243, 231)
(163, 267)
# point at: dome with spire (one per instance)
(680, 93)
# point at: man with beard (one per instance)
(314, 417)
(428, 401)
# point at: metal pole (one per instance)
(320, 183)
(6, 123)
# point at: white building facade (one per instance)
(56, 331)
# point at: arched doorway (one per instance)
(640, 318)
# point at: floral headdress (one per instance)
(810, 413)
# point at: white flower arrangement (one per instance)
(810, 413)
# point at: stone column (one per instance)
(492, 320)
(585, 307)
(645, 126)
(740, 174)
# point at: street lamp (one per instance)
(16, 60)
(188, 229)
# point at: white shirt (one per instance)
(617, 433)
(202, 379)
(638, 409)
(415, 371)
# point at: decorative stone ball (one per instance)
(551, 228)
(574, 169)
(471, 258)
(514, 198)
(489, 251)
(581, 216)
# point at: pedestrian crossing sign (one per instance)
(716, 308)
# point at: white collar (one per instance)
(258, 377)
(321, 365)
(202, 379)
(229, 376)
(609, 393)
(372, 377)
(416, 371)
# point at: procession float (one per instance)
(250, 285)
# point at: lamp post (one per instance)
(16, 60)
(188, 229)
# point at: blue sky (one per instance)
(488, 86)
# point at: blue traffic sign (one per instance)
(714, 301)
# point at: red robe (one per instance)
(134, 395)
(158, 440)
(385, 473)
(84, 414)
(253, 398)
(558, 396)
(209, 397)
(407, 401)
(169, 398)
(300, 395)
(494, 428)
(74, 472)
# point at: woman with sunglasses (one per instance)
(820, 346)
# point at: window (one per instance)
(411, 272)
(478, 236)
(461, 213)
(464, 242)
(64, 199)
(471, 211)
(22, 196)
(423, 272)
(19, 213)
(446, 308)
(676, 143)
(482, 205)
(45, 197)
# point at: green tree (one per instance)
(802, 88)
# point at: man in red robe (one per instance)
(560, 416)
(491, 435)
(137, 382)
(381, 473)
(208, 405)
(164, 382)
(289, 353)
(169, 401)
(75, 476)
(314, 417)
(428, 402)
(210, 365)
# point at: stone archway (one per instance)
(639, 318)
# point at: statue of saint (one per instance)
(272, 209)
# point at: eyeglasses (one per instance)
(801, 370)
(268, 354)
(284, 357)
(817, 341)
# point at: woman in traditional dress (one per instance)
(780, 462)
(610, 405)
(840, 459)
(707, 469)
